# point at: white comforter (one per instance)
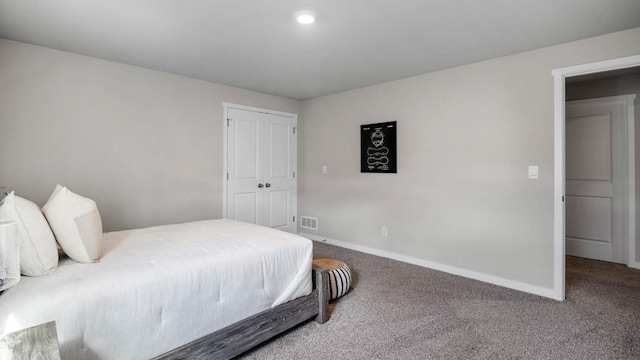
(158, 288)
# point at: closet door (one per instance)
(244, 173)
(261, 166)
(279, 172)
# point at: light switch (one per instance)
(533, 171)
(324, 169)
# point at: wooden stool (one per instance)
(339, 276)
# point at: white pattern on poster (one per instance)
(377, 155)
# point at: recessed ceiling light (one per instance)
(305, 17)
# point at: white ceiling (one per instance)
(257, 45)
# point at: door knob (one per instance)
(260, 185)
(268, 185)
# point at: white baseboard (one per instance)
(516, 285)
(634, 264)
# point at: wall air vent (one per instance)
(308, 222)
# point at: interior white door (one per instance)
(596, 179)
(261, 167)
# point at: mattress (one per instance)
(158, 288)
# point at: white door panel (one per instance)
(279, 150)
(589, 218)
(588, 147)
(245, 207)
(246, 149)
(596, 148)
(280, 168)
(261, 161)
(243, 167)
(279, 209)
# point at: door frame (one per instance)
(559, 77)
(225, 169)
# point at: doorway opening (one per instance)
(572, 75)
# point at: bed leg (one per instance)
(321, 282)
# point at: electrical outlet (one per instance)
(384, 231)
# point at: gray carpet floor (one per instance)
(401, 311)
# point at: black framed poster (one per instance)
(378, 148)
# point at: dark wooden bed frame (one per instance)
(239, 337)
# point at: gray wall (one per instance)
(466, 136)
(145, 145)
(610, 86)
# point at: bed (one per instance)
(209, 289)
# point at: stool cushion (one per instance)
(339, 276)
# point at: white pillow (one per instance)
(76, 223)
(38, 250)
